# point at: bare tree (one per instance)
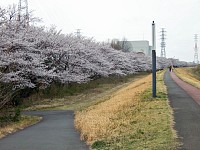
(125, 45)
(116, 44)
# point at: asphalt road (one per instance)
(186, 115)
(55, 132)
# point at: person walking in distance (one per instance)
(170, 68)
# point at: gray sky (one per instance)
(108, 19)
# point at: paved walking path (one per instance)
(55, 132)
(185, 102)
(191, 90)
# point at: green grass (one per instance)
(190, 75)
(59, 97)
(145, 125)
(78, 96)
(151, 124)
(196, 71)
(57, 90)
(24, 122)
(72, 97)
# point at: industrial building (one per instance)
(136, 46)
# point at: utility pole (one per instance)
(153, 36)
(153, 60)
(196, 60)
(78, 33)
(163, 44)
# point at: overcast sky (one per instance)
(108, 19)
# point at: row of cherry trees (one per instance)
(35, 57)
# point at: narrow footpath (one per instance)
(185, 101)
(55, 132)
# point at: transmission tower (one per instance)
(163, 44)
(196, 60)
(78, 33)
(23, 14)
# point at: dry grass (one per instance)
(130, 119)
(25, 121)
(187, 75)
(76, 102)
(101, 116)
(86, 98)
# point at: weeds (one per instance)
(196, 70)
(57, 90)
(98, 145)
(18, 125)
(9, 116)
(83, 95)
(130, 119)
(189, 75)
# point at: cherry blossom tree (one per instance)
(36, 57)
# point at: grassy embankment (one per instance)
(190, 75)
(74, 97)
(130, 119)
(79, 96)
(21, 124)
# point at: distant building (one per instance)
(136, 46)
